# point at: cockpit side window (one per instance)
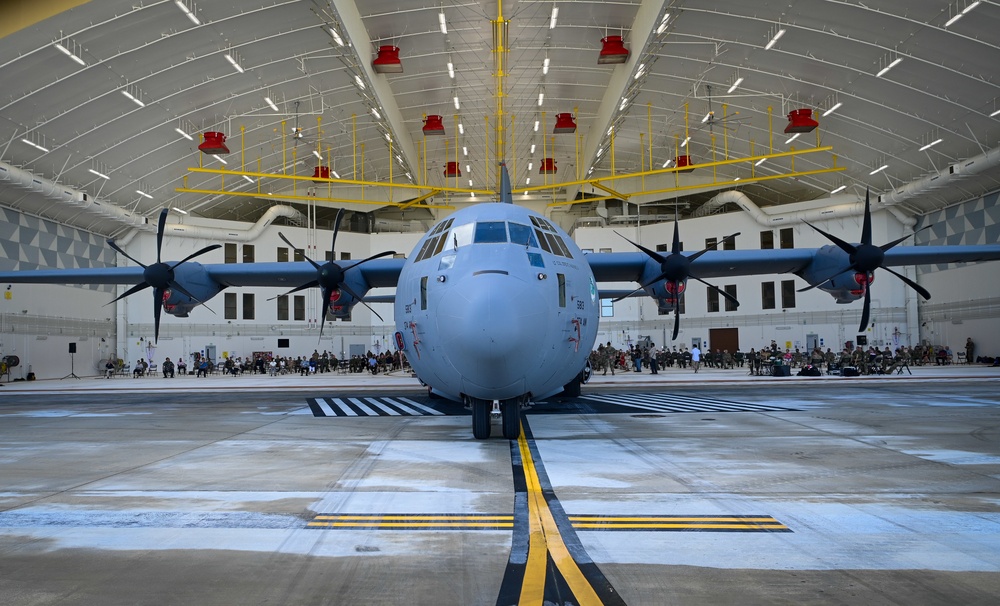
(521, 234)
(490, 232)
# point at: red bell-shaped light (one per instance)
(321, 172)
(684, 161)
(612, 50)
(433, 126)
(801, 121)
(548, 167)
(214, 143)
(452, 170)
(564, 124)
(387, 61)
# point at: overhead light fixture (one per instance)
(69, 53)
(622, 105)
(736, 179)
(455, 99)
(662, 27)
(640, 72)
(451, 70)
(530, 165)
(958, 15)
(838, 190)
(219, 158)
(184, 134)
(541, 97)
(792, 138)
(271, 103)
(527, 182)
(545, 66)
(707, 116)
(234, 63)
(134, 99)
(461, 129)
(774, 39)
(835, 107)
(336, 175)
(600, 150)
(553, 17)
(249, 180)
(375, 113)
(183, 212)
(686, 141)
(536, 125)
(759, 162)
(468, 167)
(35, 145)
(470, 180)
(187, 11)
(336, 37)
(891, 65)
(388, 137)
(99, 174)
(532, 149)
(879, 169)
(465, 151)
(316, 153)
(143, 194)
(443, 22)
(359, 82)
(931, 144)
(735, 85)
(995, 114)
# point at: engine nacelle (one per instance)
(195, 280)
(845, 287)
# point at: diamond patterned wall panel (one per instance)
(971, 223)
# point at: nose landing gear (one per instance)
(484, 411)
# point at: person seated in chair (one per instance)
(203, 368)
(138, 370)
(182, 367)
(168, 369)
(109, 368)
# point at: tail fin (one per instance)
(505, 193)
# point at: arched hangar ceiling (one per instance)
(100, 97)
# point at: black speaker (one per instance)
(72, 348)
(849, 371)
(782, 371)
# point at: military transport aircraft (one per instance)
(497, 305)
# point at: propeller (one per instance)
(865, 258)
(159, 276)
(676, 269)
(330, 276)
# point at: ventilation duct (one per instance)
(226, 234)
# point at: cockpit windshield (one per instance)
(490, 232)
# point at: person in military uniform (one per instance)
(970, 350)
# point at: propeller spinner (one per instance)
(159, 275)
(864, 259)
(676, 270)
(330, 276)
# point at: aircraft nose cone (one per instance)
(490, 328)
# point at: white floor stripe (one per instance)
(427, 409)
(344, 407)
(325, 407)
(364, 407)
(381, 406)
(403, 407)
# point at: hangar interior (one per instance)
(250, 119)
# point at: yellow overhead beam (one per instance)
(248, 194)
(611, 191)
(741, 181)
(238, 173)
(416, 201)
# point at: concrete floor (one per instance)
(207, 491)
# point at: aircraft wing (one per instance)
(629, 266)
(92, 275)
(377, 272)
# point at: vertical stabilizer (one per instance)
(505, 194)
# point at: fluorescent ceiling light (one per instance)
(835, 107)
(470, 182)
(640, 72)
(736, 179)
(336, 37)
(183, 212)
(35, 145)
(532, 149)
(468, 168)
(249, 180)
(536, 125)
(792, 138)
(465, 150)
(316, 153)
(686, 141)
(527, 182)
(336, 175)
(995, 114)
(931, 144)
(219, 159)
(953, 19)
(143, 194)
(707, 116)
(187, 11)
(388, 137)
(541, 97)
(359, 82)
(622, 105)
(663, 24)
(553, 17)
(530, 165)
(184, 134)
(971, 6)
(443, 22)
(101, 175)
(375, 113)
(233, 62)
(839, 189)
(451, 70)
(69, 54)
(455, 99)
(461, 129)
(600, 150)
(271, 103)
(885, 69)
(759, 162)
(879, 169)
(133, 99)
(777, 35)
(735, 84)
(545, 66)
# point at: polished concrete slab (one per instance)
(880, 490)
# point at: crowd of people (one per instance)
(201, 366)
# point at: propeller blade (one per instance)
(920, 289)
(159, 232)
(715, 247)
(677, 317)
(818, 284)
(157, 308)
(176, 286)
(675, 244)
(381, 254)
(336, 230)
(651, 253)
(866, 226)
(886, 247)
(867, 310)
(647, 284)
(724, 294)
(326, 305)
(844, 246)
(297, 289)
(119, 250)
(286, 241)
(193, 255)
(353, 294)
(131, 291)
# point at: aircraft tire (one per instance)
(572, 389)
(510, 412)
(480, 418)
